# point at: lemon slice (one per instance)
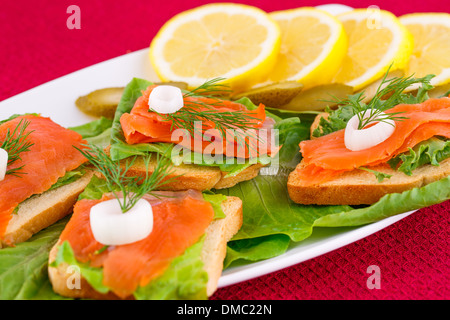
(232, 41)
(313, 45)
(431, 53)
(377, 41)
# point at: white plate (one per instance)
(55, 99)
(322, 240)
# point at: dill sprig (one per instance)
(198, 111)
(128, 189)
(15, 143)
(211, 88)
(390, 93)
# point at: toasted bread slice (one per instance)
(218, 234)
(192, 176)
(358, 186)
(40, 211)
(361, 187)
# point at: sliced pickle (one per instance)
(319, 97)
(273, 95)
(103, 102)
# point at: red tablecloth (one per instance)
(413, 254)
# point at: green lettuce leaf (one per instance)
(390, 205)
(225, 164)
(431, 151)
(24, 268)
(17, 115)
(268, 210)
(93, 128)
(69, 177)
(97, 132)
(94, 276)
(95, 189)
(256, 249)
(337, 120)
(379, 175)
(121, 150)
(216, 202)
(185, 279)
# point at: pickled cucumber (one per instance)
(273, 95)
(319, 97)
(102, 102)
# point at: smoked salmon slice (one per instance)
(143, 126)
(179, 222)
(49, 158)
(327, 156)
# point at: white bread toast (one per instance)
(361, 187)
(218, 234)
(191, 176)
(40, 211)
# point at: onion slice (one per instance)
(356, 140)
(112, 227)
(3, 163)
(166, 99)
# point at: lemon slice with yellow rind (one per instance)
(313, 45)
(232, 41)
(431, 53)
(377, 42)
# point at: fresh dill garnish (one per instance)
(392, 89)
(211, 88)
(128, 189)
(15, 143)
(389, 93)
(196, 114)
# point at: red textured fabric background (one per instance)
(413, 254)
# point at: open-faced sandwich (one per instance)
(361, 152)
(213, 142)
(127, 241)
(40, 175)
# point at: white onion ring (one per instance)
(3, 163)
(356, 140)
(166, 99)
(112, 227)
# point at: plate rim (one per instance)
(290, 258)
